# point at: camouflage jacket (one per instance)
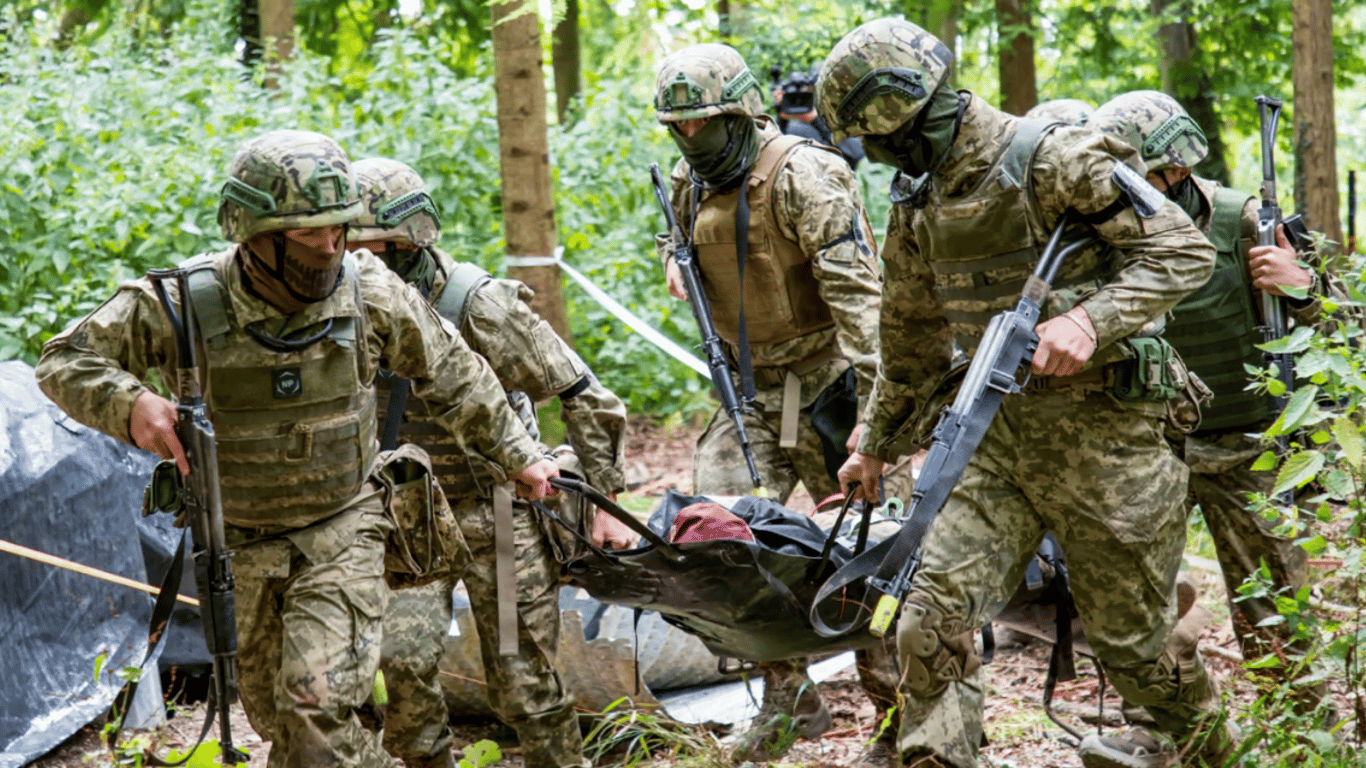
(96, 368)
(816, 199)
(1162, 258)
(526, 354)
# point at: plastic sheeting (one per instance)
(68, 491)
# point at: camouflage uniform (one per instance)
(1221, 452)
(524, 690)
(310, 590)
(812, 322)
(496, 320)
(1070, 111)
(1066, 456)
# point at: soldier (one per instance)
(794, 304)
(293, 328)
(977, 195)
(1070, 111)
(398, 221)
(795, 99)
(1216, 330)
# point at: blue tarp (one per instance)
(68, 491)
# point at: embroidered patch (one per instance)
(286, 383)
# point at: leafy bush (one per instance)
(117, 152)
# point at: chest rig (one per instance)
(780, 293)
(295, 428)
(983, 244)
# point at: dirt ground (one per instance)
(1019, 731)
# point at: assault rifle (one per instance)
(1268, 219)
(1000, 367)
(685, 256)
(203, 510)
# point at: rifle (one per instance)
(1006, 351)
(1282, 364)
(685, 256)
(202, 506)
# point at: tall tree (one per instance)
(1015, 59)
(1184, 77)
(524, 159)
(567, 60)
(277, 35)
(939, 18)
(1316, 167)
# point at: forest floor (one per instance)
(1018, 730)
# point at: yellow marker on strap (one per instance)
(882, 615)
(379, 693)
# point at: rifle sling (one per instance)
(159, 628)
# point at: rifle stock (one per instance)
(204, 514)
(685, 256)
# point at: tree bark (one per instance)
(1316, 174)
(567, 59)
(1015, 61)
(277, 36)
(940, 18)
(1183, 78)
(524, 158)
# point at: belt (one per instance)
(770, 376)
(1095, 378)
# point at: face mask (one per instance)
(297, 268)
(919, 145)
(1185, 195)
(722, 152)
(416, 267)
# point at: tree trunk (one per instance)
(723, 12)
(249, 29)
(524, 159)
(1316, 174)
(566, 56)
(1183, 78)
(940, 18)
(1015, 60)
(277, 36)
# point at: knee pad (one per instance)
(933, 651)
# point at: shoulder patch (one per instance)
(1143, 196)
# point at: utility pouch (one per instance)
(574, 510)
(833, 415)
(425, 544)
(163, 492)
(1155, 374)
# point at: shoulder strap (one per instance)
(209, 297)
(1019, 154)
(455, 295)
(1226, 220)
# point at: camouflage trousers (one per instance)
(719, 468)
(1221, 479)
(1104, 480)
(309, 608)
(524, 690)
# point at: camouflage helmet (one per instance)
(1156, 125)
(286, 180)
(878, 77)
(704, 81)
(395, 204)
(1070, 111)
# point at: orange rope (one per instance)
(113, 578)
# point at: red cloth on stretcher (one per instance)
(708, 521)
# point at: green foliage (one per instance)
(624, 735)
(481, 754)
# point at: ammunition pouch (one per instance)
(1155, 374)
(425, 544)
(163, 492)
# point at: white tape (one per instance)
(533, 261)
(638, 325)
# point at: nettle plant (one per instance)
(1323, 425)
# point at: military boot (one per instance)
(792, 710)
(881, 754)
(1130, 748)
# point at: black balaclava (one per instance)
(722, 152)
